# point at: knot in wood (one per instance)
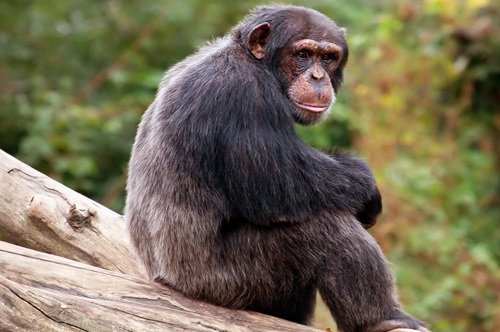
(80, 218)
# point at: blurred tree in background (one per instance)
(421, 102)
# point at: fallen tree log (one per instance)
(42, 292)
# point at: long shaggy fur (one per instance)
(227, 205)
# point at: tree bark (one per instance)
(42, 292)
(39, 213)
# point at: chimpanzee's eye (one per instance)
(303, 54)
(329, 57)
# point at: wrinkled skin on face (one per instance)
(311, 63)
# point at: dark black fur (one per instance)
(226, 204)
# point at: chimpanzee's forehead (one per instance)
(314, 25)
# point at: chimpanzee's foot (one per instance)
(403, 325)
(421, 329)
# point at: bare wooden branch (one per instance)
(39, 213)
(42, 292)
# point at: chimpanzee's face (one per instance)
(311, 66)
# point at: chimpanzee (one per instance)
(226, 204)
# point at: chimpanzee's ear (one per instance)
(258, 39)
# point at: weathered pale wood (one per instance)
(39, 213)
(42, 292)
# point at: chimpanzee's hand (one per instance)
(371, 209)
(363, 195)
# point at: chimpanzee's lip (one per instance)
(310, 108)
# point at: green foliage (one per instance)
(444, 160)
(420, 102)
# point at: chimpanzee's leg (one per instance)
(356, 282)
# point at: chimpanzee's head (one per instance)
(306, 50)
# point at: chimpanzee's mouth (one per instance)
(311, 108)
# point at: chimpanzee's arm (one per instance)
(270, 175)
